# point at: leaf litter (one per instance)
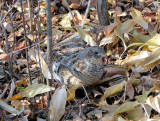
(128, 91)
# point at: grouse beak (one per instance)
(105, 60)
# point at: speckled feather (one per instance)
(80, 64)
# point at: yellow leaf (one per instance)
(32, 91)
(35, 89)
(16, 97)
(112, 90)
(154, 41)
(71, 92)
(65, 22)
(152, 60)
(136, 58)
(108, 29)
(126, 107)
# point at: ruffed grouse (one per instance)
(75, 63)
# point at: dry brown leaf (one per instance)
(153, 42)
(138, 113)
(23, 81)
(93, 2)
(114, 70)
(108, 29)
(118, 10)
(74, 6)
(118, 32)
(53, 6)
(107, 117)
(17, 105)
(96, 93)
(76, 1)
(22, 62)
(4, 57)
(79, 19)
(130, 90)
(150, 16)
(15, 97)
(11, 37)
(65, 4)
(21, 45)
(108, 39)
(42, 4)
(154, 81)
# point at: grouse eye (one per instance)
(96, 53)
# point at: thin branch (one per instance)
(8, 12)
(86, 13)
(7, 50)
(26, 42)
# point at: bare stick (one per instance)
(86, 13)
(26, 43)
(49, 49)
(30, 14)
(7, 49)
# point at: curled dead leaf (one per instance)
(108, 29)
(130, 90)
(57, 104)
(154, 102)
(4, 57)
